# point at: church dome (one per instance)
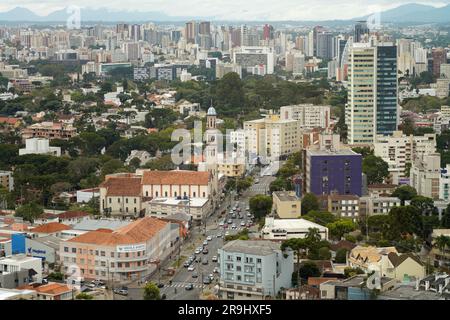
(211, 112)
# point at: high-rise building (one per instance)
(361, 29)
(372, 92)
(387, 90)
(191, 31)
(439, 56)
(315, 31)
(267, 32)
(204, 27)
(324, 45)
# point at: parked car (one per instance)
(214, 259)
(186, 264)
(194, 274)
(160, 285)
(219, 235)
(205, 261)
(227, 233)
(197, 251)
(242, 224)
(191, 268)
(233, 226)
(211, 277)
(233, 216)
(189, 286)
(206, 280)
(209, 238)
(205, 251)
(205, 243)
(122, 291)
(230, 221)
(221, 224)
(216, 270)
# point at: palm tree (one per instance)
(313, 235)
(441, 242)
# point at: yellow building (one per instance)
(286, 204)
(272, 136)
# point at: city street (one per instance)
(176, 290)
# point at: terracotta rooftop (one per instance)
(51, 288)
(138, 231)
(123, 186)
(72, 214)
(50, 228)
(9, 120)
(175, 177)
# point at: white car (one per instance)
(221, 224)
(233, 226)
(191, 268)
(209, 238)
(219, 235)
(242, 224)
(214, 259)
(227, 233)
(249, 214)
(197, 251)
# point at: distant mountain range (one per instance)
(20, 14)
(408, 13)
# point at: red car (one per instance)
(225, 226)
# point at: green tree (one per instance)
(424, 204)
(309, 203)
(29, 212)
(309, 269)
(321, 217)
(84, 296)
(260, 205)
(151, 292)
(375, 168)
(229, 94)
(341, 256)
(404, 193)
(404, 222)
(445, 220)
(339, 228)
(298, 245)
(324, 253)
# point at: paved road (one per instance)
(176, 290)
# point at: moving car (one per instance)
(221, 224)
(189, 286)
(160, 285)
(205, 243)
(211, 277)
(216, 270)
(205, 261)
(194, 275)
(205, 251)
(233, 226)
(219, 235)
(249, 215)
(230, 221)
(227, 233)
(214, 259)
(242, 224)
(209, 238)
(206, 280)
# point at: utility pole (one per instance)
(274, 294)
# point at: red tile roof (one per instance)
(175, 177)
(72, 214)
(8, 120)
(50, 228)
(123, 186)
(138, 231)
(51, 288)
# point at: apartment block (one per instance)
(425, 175)
(346, 206)
(400, 151)
(332, 171)
(49, 130)
(253, 269)
(286, 204)
(309, 115)
(272, 137)
(375, 204)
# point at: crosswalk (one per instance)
(182, 285)
(259, 188)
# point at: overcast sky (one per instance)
(231, 9)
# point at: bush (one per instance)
(84, 296)
(341, 256)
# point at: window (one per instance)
(102, 253)
(238, 268)
(74, 250)
(194, 194)
(118, 200)
(96, 252)
(66, 249)
(135, 200)
(156, 193)
(238, 258)
(204, 194)
(175, 194)
(165, 194)
(112, 254)
(258, 260)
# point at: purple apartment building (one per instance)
(333, 171)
